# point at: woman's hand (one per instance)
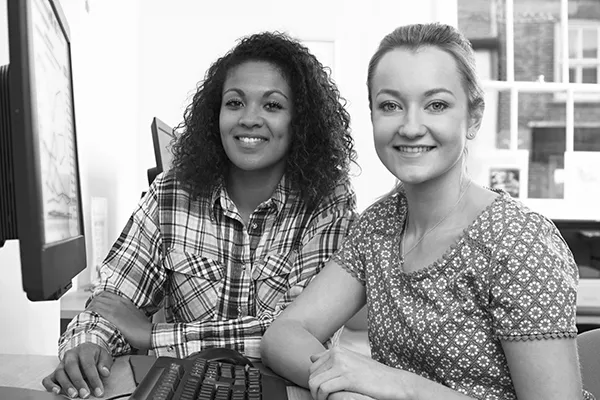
(340, 369)
(80, 372)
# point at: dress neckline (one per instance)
(449, 252)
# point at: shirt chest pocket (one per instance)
(195, 285)
(271, 276)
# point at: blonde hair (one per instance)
(444, 37)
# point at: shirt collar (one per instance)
(220, 199)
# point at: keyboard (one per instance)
(199, 379)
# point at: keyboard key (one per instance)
(190, 388)
(222, 393)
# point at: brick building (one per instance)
(537, 57)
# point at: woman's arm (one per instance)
(322, 308)
(535, 319)
(540, 369)
(544, 369)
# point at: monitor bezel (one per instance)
(47, 269)
(156, 127)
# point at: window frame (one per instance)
(579, 62)
(564, 91)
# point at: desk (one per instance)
(28, 371)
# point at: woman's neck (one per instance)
(248, 189)
(434, 200)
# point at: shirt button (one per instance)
(240, 310)
(170, 349)
(254, 226)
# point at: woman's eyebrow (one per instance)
(435, 91)
(428, 93)
(391, 92)
(240, 92)
(273, 91)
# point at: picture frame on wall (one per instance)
(508, 179)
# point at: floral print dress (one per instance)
(510, 276)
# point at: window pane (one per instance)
(542, 133)
(494, 132)
(589, 75)
(573, 42)
(572, 75)
(587, 123)
(534, 32)
(582, 166)
(480, 22)
(534, 39)
(590, 43)
(479, 18)
(587, 138)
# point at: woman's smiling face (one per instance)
(256, 116)
(420, 113)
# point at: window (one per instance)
(542, 121)
(584, 57)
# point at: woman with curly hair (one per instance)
(257, 201)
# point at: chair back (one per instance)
(588, 344)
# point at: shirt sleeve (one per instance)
(533, 283)
(323, 236)
(129, 270)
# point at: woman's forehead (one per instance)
(417, 71)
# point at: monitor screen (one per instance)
(53, 105)
(41, 179)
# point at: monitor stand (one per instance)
(14, 393)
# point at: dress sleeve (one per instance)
(533, 283)
(350, 256)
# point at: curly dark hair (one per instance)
(322, 148)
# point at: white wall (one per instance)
(105, 65)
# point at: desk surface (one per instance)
(28, 371)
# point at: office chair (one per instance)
(162, 135)
(588, 344)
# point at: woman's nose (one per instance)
(251, 117)
(412, 125)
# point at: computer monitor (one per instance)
(162, 136)
(40, 194)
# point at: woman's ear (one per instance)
(474, 123)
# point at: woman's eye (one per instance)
(389, 106)
(234, 103)
(438, 106)
(273, 105)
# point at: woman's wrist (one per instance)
(403, 386)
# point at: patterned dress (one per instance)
(510, 276)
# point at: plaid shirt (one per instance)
(220, 282)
